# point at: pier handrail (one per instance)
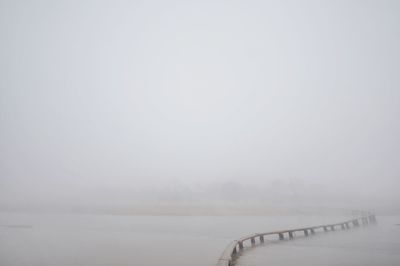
(231, 252)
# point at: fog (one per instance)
(139, 103)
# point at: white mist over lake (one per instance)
(153, 132)
(119, 102)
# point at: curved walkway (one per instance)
(235, 248)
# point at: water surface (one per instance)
(364, 246)
(28, 239)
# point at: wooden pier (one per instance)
(233, 250)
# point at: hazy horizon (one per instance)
(123, 102)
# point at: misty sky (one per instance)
(102, 96)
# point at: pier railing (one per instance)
(234, 248)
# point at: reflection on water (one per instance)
(100, 240)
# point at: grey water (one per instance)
(28, 239)
(364, 246)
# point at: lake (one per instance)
(33, 239)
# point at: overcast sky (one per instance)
(109, 95)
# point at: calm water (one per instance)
(100, 240)
(372, 245)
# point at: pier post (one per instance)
(343, 227)
(347, 225)
(306, 232)
(325, 229)
(312, 231)
(281, 237)
(290, 234)
(355, 223)
(332, 227)
(253, 241)
(261, 239)
(240, 245)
